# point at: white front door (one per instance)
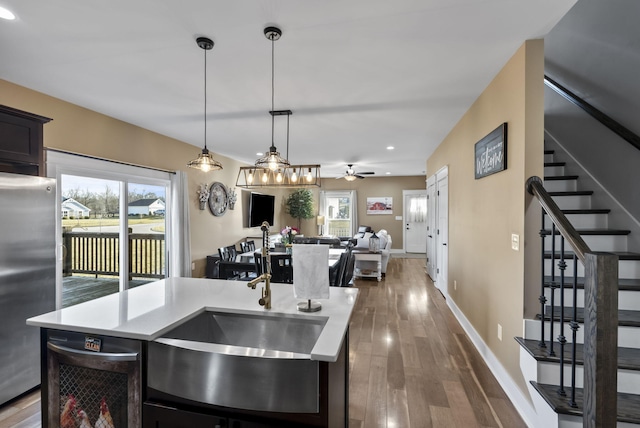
(431, 226)
(415, 221)
(442, 231)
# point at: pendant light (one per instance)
(205, 161)
(272, 160)
(272, 170)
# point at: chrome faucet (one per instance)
(265, 300)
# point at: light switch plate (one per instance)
(515, 242)
(398, 217)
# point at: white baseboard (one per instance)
(520, 400)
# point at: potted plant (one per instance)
(300, 205)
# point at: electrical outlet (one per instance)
(455, 284)
(193, 266)
(515, 242)
(499, 332)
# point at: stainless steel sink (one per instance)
(245, 361)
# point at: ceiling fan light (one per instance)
(350, 177)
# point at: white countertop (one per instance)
(148, 311)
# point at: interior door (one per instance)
(442, 232)
(431, 227)
(415, 221)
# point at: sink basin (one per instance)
(283, 335)
(247, 361)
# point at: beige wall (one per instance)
(484, 213)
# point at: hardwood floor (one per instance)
(411, 364)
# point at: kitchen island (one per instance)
(200, 352)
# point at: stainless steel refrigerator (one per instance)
(27, 276)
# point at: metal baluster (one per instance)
(542, 298)
(574, 328)
(553, 287)
(562, 265)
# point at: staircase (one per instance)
(541, 369)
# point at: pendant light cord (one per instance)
(272, 89)
(205, 99)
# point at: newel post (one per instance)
(600, 340)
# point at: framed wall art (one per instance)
(382, 205)
(491, 152)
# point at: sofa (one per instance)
(361, 242)
(326, 240)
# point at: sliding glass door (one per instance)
(113, 227)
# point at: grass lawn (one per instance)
(109, 221)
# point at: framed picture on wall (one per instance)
(383, 205)
(491, 152)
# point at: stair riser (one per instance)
(627, 300)
(553, 170)
(595, 242)
(583, 221)
(573, 202)
(549, 373)
(628, 337)
(561, 185)
(570, 421)
(626, 268)
(548, 158)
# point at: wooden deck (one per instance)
(77, 289)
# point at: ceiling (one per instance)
(359, 75)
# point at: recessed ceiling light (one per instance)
(259, 154)
(388, 173)
(390, 147)
(6, 14)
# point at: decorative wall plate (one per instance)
(218, 199)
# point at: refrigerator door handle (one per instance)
(105, 356)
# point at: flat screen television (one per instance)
(261, 208)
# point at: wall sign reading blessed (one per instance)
(491, 152)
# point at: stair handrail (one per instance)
(600, 316)
(619, 129)
(536, 188)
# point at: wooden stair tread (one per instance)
(622, 255)
(573, 193)
(586, 211)
(555, 163)
(560, 177)
(628, 358)
(593, 232)
(625, 317)
(628, 404)
(628, 284)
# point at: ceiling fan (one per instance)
(351, 174)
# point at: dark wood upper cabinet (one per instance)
(21, 148)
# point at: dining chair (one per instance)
(225, 254)
(336, 272)
(233, 251)
(247, 246)
(347, 274)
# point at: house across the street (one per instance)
(72, 208)
(146, 207)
